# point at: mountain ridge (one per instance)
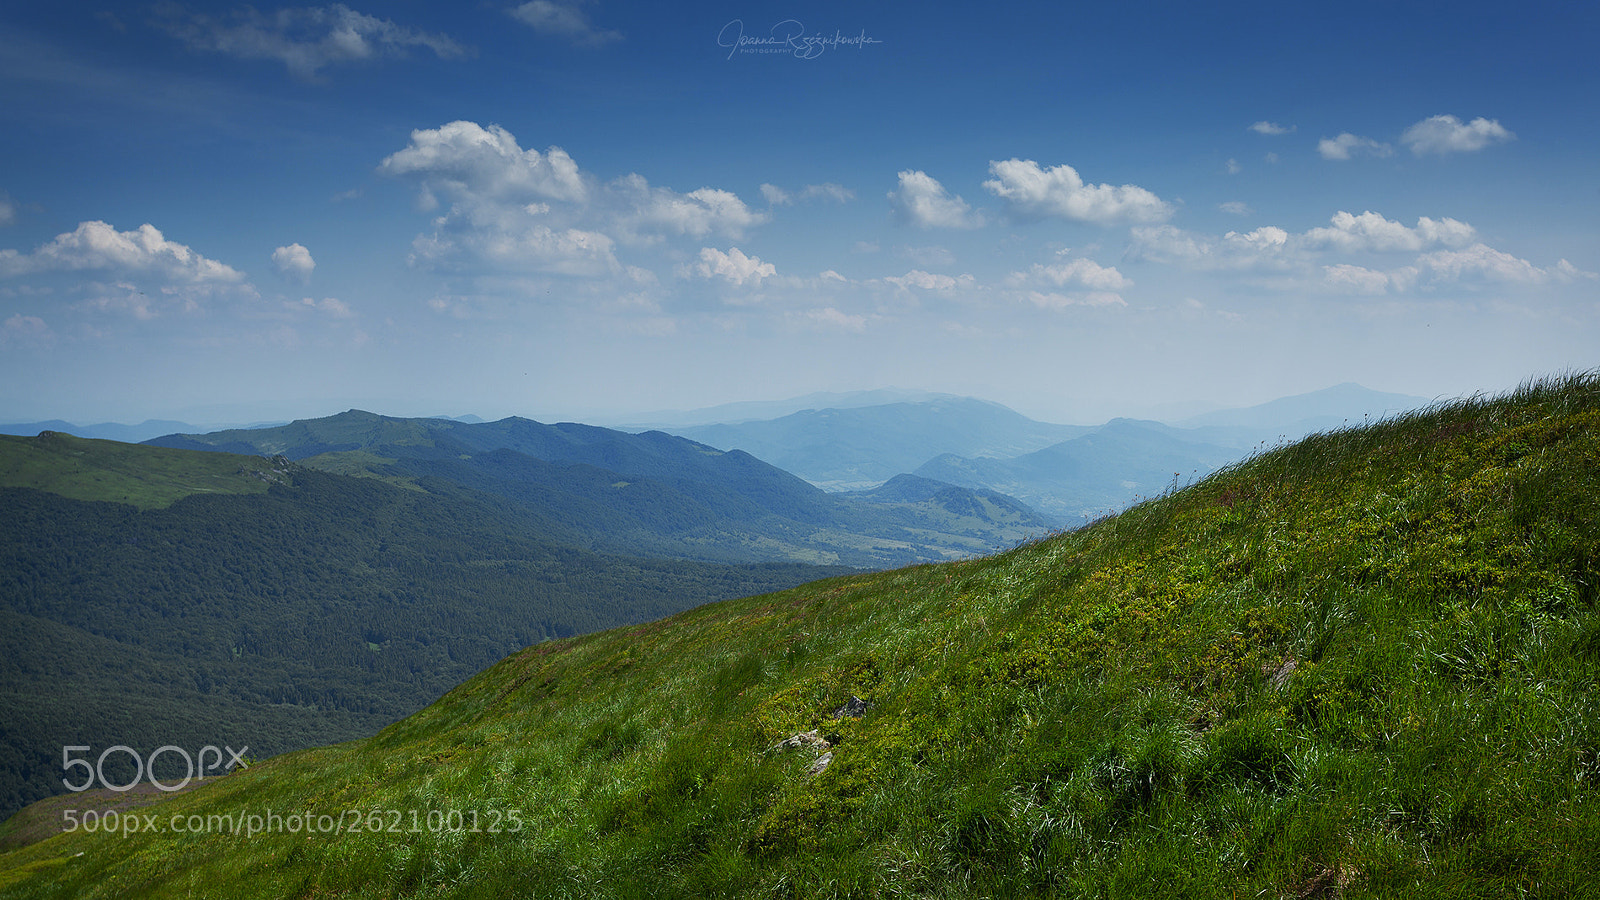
(1359, 665)
(665, 494)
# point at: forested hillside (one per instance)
(311, 609)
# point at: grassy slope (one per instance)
(146, 477)
(1362, 666)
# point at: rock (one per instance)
(820, 764)
(812, 738)
(1281, 676)
(854, 709)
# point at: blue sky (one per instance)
(557, 209)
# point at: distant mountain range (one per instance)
(1070, 473)
(855, 448)
(643, 494)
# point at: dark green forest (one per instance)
(317, 611)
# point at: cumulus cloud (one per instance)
(567, 21)
(328, 306)
(523, 209)
(933, 257)
(734, 266)
(1271, 247)
(143, 251)
(922, 201)
(1483, 263)
(1168, 244)
(8, 210)
(1355, 279)
(777, 196)
(1267, 247)
(466, 161)
(928, 281)
(294, 261)
(1371, 231)
(1070, 282)
(1034, 192)
(1266, 240)
(1474, 266)
(1055, 300)
(1447, 134)
(828, 317)
(1235, 207)
(304, 39)
(1078, 272)
(1348, 145)
(20, 330)
(517, 246)
(1271, 128)
(654, 210)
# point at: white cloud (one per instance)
(1483, 263)
(828, 191)
(1347, 145)
(1235, 207)
(1070, 282)
(304, 39)
(328, 306)
(828, 317)
(1446, 134)
(143, 251)
(1233, 167)
(933, 257)
(1171, 245)
(465, 161)
(1271, 128)
(8, 210)
(733, 266)
(1477, 264)
(1054, 300)
(696, 214)
(1355, 279)
(1371, 231)
(563, 20)
(1078, 272)
(520, 246)
(294, 260)
(927, 281)
(922, 201)
(777, 196)
(523, 209)
(1446, 252)
(1267, 247)
(1267, 239)
(25, 330)
(1033, 192)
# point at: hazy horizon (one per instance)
(573, 210)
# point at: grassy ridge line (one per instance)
(146, 477)
(1363, 665)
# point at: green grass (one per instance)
(1364, 665)
(146, 477)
